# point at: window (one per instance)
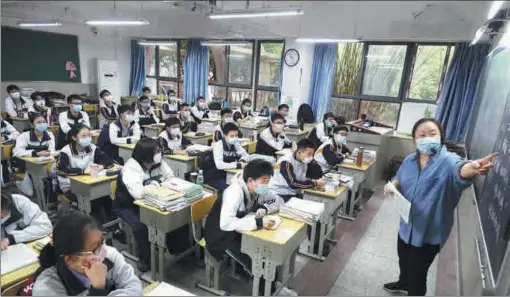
(384, 112)
(168, 60)
(347, 108)
(267, 98)
(152, 83)
(217, 64)
(270, 60)
(236, 96)
(150, 60)
(240, 58)
(383, 70)
(427, 71)
(217, 92)
(165, 86)
(348, 68)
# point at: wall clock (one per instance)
(291, 57)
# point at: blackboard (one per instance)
(29, 55)
(490, 132)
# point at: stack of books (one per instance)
(305, 211)
(191, 191)
(164, 198)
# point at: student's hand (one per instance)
(320, 183)
(150, 110)
(180, 152)
(44, 154)
(267, 223)
(4, 244)
(387, 190)
(2, 139)
(97, 275)
(261, 212)
(87, 171)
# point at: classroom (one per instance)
(255, 148)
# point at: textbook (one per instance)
(17, 256)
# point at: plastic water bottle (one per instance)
(200, 178)
(255, 131)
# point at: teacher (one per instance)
(432, 179)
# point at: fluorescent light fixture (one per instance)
(256, 13)
(113, 22)
(378, 56)
(326, 40)
(147, 42)
(496, 5)
(222, 42)
(478, 35)
(39, 24)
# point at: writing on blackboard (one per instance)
(493, 216)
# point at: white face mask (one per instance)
(40, 103)
(185, 114)
(175, 132)
(157, 158)
(129, 118)
(307, 160)
(246, 108)
(108, 98)
(15, 95)
(278, 128)
(228, 120)
(202, 105)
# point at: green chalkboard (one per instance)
(29, 55)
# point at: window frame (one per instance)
(157, 76)
(258, 87)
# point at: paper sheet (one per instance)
(164, 289)
(403, 205)
(17, 256)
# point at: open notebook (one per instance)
(164, 289)
(17, 256)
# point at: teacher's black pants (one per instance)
(414, 265)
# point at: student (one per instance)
(107, 108)
(8, 132)
(323, 131)
(187, 121)
(226, 117)
(144, 168)
(123, 130)
(293, 168)
(40, 106)
(76, 158)
(68, 119)
(333, 151)
(171, 139)
(283, 110)
(228, 154)
(273, 139)
(37, 142)
(200, 110)
(144, 113)
(146, 91)
(244, 113)
(171, 107)
(78, 262)
(22, 220)
(16, 105)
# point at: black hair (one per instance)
(76, 129)
(340, 128)
(200, 98)
(246, 100)
(224, 111)
(363, 116)
(282, 106)
(123, 108)
(103, 93)
(172, 121)
(328, 115)
(34, 115)
(146, 89)
(72, 97)
(144, 150)
(6, 200)
(12, 88)
(305, 143)
(34, 96)
(340, 120)
(169, 92)
(229, 127)
(69, 237)
(424, 120)
(277, 116)
(143, 97)
(257, 168)
(184, 105)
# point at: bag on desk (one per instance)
(25, 186)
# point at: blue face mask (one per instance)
(41, 127)
(428, 145)
(146, 105)
(262, 189)
(232, 141)
(339, 139)
(77, 108)
(84, 142)
(329, 124)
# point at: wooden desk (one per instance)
(359, 173)
(296, 135)
(21, 124)
(247, 129)
(214, 121)
(283, 152)
(269, 249)
(88, 188)
(159, 223)
(181, 164)
(203, 140)
(231, 173)
(250, 146)
(7, 151)
(153, 130)
(332, 200)
(172, 290)
(126, 150)
(38, 171)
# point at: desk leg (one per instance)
(256, 284)
(269, 276)
(161, 242)
(321, 239)
(39, 191)
(153, 241)
(84, 204)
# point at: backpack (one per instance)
(206, 163)
(305, 115)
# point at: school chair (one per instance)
(6, 155)
(13, 289)
(54, 130)
(130, 238)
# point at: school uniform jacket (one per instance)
(291, 176)
(71, 162)
(170, 107)
(270, 142)
(133, 178)
(8, 131)
(169, 143)
(198, 113)
(320, 133)
(145, 118)
(239, 114)
(12, 108)
(329, 154)
(218, 133)
(108, 113)
(66, 120)
(227, 156)
(59, 280)
(229, 215)
(27, 144)
(188, 124)
(46, 113)
(113, 134)
(26, 221)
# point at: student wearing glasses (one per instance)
(107, 109)
(244, 114)
(40, 106)
(68, 119)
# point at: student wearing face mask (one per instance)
(79, 263)
(244, 114)
(273, 139)
(293, 168)
(333, 151)
(16, 105)
(226, 117)
(107, 108)
(200, 110)
(146, 91)
(432, 179)
(144, 113)
(21, 220)
(8, 132)
(323, 131)
(76, 158)
(171, 140)
(124, 130)
(68, 119)
(171, 107)
(188, 123)
(40, 105)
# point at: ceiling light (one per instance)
(222, 42)
(478, 35)
(256, 13)
(39, 24)
(146, 42)
(117, 22)
(496, 5)
(326, 40)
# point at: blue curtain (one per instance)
(459, 89)
(196, 71)
(137, 78)
(323, 69)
